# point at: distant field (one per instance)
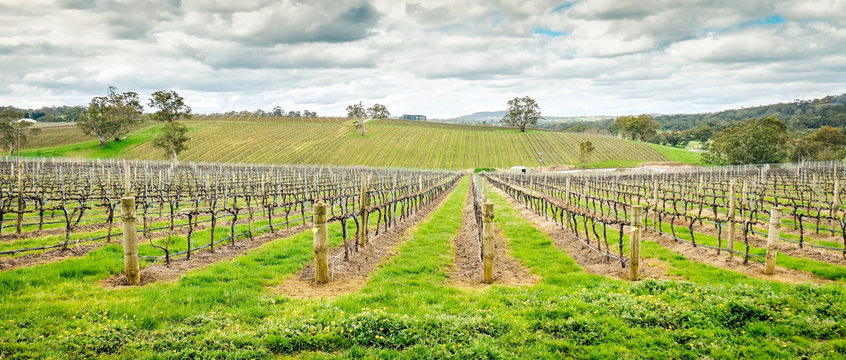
(677, 154)
(53, 134)
(389, 143)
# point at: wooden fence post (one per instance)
(488, 243)
(772, 240)
(321, 244)
(362, 212)
(634, 242)
(732, 209)
(130, 241)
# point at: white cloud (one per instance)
(440, 58)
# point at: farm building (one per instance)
(413, 117)
(519, 169)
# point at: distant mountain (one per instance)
(798, 115)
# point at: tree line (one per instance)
(62, 113)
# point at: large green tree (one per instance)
(754, 141)
(110, 116)
(378, 111)
(171, 107)
(125, 111)
(172, 139)
(522, 112)
(97, 120)
(828, 143)
(639, 127)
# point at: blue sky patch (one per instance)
(769, 20)
(564, 6)
(548, 32)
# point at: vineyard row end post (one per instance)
(19, 226)
(321, 244)
(130, 241)
(731, 218)
(634, 242)
(772, 241)
(835, 214)
(488, 243)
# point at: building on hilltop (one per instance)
(413, 117)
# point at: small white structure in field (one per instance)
(519, 169)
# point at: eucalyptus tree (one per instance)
(522, 112)
(171, 108)
(359, 115)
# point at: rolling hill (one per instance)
(388, 143)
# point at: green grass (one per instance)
(678, 154)
(409, 310)
(92, 149)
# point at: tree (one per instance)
(378, 111)
(586, 149)
(309, 114)
(522, 112)
(172, 139)
(277, 111)
(171, 106)
(112, 115)
(639, 127)
(824, 145)
(357, 113)
(97, 119)
(751, 142)
(125, 111)
(13, 131)
(73, 113)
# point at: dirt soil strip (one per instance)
(199, 259)
(351, 276)
(752, 268)
(591, 261)
(466, 270)
(49, 256)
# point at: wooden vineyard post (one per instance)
(130, 241)
(321, 244)
(19, 227)
(634, 243)
(835, 206)
(362, 212)
(127, 187)
(655, 204)
(772, 241)
(488, 244)
(732, 209)
(567, 199)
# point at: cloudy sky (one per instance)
(439, 58)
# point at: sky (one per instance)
(437, 58)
